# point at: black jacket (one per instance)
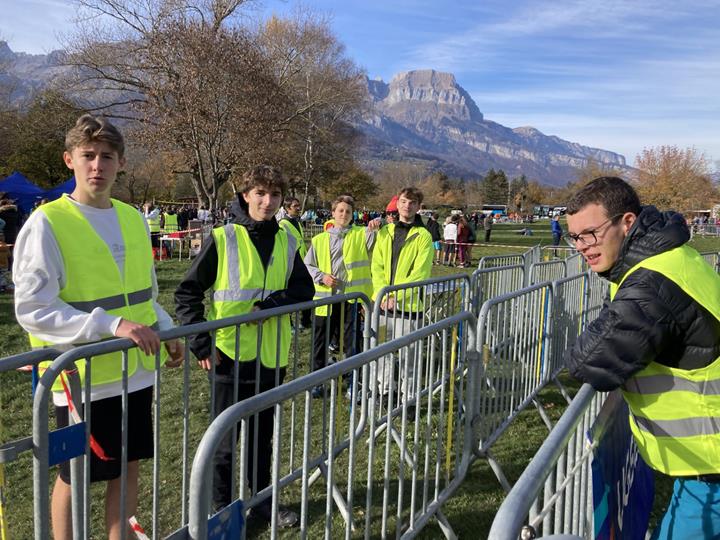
(201, 276)
(434, 227)
(650, 318)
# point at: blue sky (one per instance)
(618, 75)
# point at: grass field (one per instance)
(470, 512)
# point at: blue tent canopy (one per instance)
(55, 193)
(20, 189)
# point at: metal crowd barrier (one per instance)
(553, 496)
(713, 259)
(182, 395)
(573, 309)
(383, 485)
(513, 338)
(546, 271)
(492, 261)
(312, 229)
(487, 283)
(556, 252)
(575, 264)
(522, 337)
(14, 452)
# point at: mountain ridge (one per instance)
(420, 115)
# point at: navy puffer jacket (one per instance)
(650, 319)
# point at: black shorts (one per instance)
(106, 428)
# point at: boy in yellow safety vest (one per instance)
(249, 264)
(84, 272)
(403, 254)
(339, 262)
(658, 340)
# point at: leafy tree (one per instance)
(193, 78)
(326, 90)
(392, 177)
(353, 181)
(34, 140)
(518, 193)
(495, 187)
(673, 178)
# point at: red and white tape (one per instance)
(137, 529)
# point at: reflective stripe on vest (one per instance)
(93, 280)
(171, 222)
(675, 413)
(241, 282)
(153, 224)
(355, 258)
(405, 299)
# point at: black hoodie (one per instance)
(201, 276)
(650, 319)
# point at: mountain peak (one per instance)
(426, 114)
(434, 88)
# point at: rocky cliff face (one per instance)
(428, 113)
(24, 74)
(421, 115)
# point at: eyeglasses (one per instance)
(589, 238)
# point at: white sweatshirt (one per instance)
(39, 275)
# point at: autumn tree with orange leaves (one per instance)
(674, 179)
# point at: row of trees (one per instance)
(204, 93)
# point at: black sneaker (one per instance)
(318, 392)
(261, 515)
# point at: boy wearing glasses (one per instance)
(658, 340)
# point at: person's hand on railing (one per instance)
(176, 350)
(143, 336)
(205, 363)
(388, 303)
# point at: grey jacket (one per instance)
(337, 264)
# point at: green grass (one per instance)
(470, 512)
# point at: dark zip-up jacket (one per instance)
(201, 276)
(650, 319)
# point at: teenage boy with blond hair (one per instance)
(339, 262)
(84, 272)
(249, 264)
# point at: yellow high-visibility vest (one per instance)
(242, 281)
(674, 412)
(171, 223)
(154, 224)
(414, 264)
(298, 234)
(93, 280)
(355, 258)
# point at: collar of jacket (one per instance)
(418, 222)
(652, 233)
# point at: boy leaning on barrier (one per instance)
(83, 272)
(339, 262)
(403, 254)
(249, 264)
(658, 340)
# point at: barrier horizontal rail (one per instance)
(554, 493)
(546, 271)
(416, 472)
(490, 282)
(81, 520)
